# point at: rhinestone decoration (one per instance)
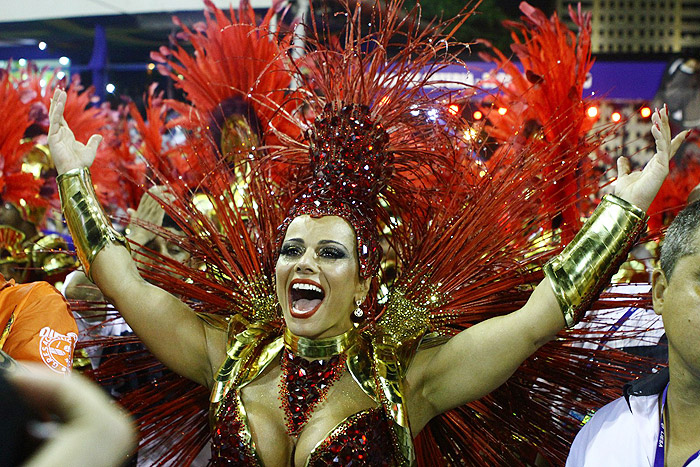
(228, 445)
(349, 167)
(364, 439)
(304, 384)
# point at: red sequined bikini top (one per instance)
(370, 437)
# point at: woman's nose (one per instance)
(306, 262)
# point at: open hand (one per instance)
(640, 187)
(149, 211)
(66, 152)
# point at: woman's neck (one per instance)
(319, 348)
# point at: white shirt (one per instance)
(616, 436)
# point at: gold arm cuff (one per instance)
(585, 266)
(87, 221)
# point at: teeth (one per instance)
(302, 286)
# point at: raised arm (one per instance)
(481, 358)
(168, 327)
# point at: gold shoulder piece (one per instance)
(585, 266)
(389, 379)
(359, 365)
(246, 355)
(404, 323)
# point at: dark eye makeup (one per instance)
(331, 252)
(325, 250)
(291, 250)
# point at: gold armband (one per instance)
(87, 221)
(585, 266)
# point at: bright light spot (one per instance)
(65, 61)
(61, 74)
(482, 173)
(151, 66)
(432, 114)
(470, 134)
(42, 45)
(615, 117)
(645, 112)
(383, 101)
(42, 83)
(592, 111)
(415, 113)
(110, 88)
(453, 109)
(478, 115)
(502, 110)
(22, 62)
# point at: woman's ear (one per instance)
(659, 284)
(363, 289)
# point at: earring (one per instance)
(358, 314)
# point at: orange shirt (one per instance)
(36, 324)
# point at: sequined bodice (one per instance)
(361, 439)
(365, 438)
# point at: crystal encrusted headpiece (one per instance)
(349, 168)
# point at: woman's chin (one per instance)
(304, 329)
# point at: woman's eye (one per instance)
(291, 250)
(174, 251)
(330, 252)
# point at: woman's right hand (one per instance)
(66, 152)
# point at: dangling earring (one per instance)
(357, 315)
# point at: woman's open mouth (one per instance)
(305, 297)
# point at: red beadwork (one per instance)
(228, 446)
(304, 385)
(350, 446)
(350, 167)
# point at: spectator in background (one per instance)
(36, 325)
(657, 422)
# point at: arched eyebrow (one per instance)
(326, 242)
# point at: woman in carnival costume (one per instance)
(314, 354)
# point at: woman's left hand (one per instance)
(640, 187)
